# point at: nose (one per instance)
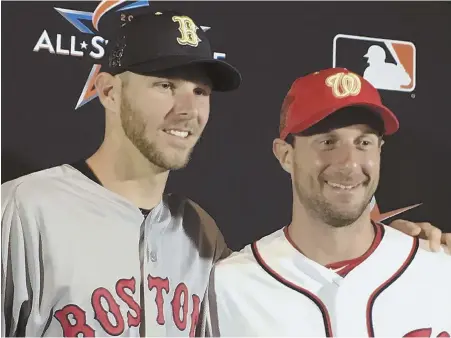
(348, 157)
(186, 105)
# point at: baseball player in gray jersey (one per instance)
(96, 248)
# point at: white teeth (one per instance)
(179, 133)
(341, 186)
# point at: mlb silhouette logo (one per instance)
(386, 64)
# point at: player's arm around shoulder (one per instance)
(431, 237)
(439, 259)
(443, 249)
(212, 234)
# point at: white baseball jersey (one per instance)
(76, 257)
(271, 289)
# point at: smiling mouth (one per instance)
(342, 186)
(177, 132)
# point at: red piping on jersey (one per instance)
(322, 307)
(385, 285)
(349, 264)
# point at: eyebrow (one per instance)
(372, 131)
(199, 80)
(333, 133)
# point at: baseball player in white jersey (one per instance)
(95, 248)
(332, 271)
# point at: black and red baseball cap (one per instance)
(157, 41)
(314, 97)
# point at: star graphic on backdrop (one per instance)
(377, 216)
(88, 23)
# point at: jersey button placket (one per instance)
(152, 244)
(153, 256)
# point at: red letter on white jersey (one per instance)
(80, 326)
(101, 315)
(194, 315)
(160, 284)
(426, 332)
(129, 284)
(176, 305)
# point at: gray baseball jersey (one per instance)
(78, 259)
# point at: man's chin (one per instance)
(174, 162)
(345, 214)
(176, 166)
(164, 157)
(339, 220)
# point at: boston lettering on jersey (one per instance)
(73, 319)
(427, 332)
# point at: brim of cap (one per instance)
(223, 76)
(391, 123)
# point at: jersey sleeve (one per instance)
(17, 259)
(211, 325)
(213, 234)
(222, 250)
(207, 324)
(219, 250)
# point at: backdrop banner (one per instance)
(51, 51)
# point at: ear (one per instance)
(283, 151)
(109, 89)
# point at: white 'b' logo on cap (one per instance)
(344, 84)
(188, 29)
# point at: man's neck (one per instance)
(326, 244)
(129, 174)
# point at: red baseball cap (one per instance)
(315, 96)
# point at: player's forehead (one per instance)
(350, 133)
(191, 73)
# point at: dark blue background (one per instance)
(233, 173)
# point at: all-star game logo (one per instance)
(90, 43)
